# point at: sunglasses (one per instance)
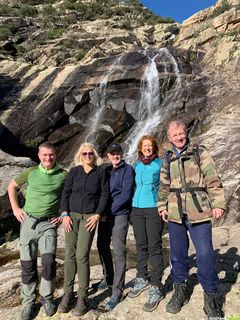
(90, 154)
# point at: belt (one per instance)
(38, 220)
(191, 190)
(188, 189)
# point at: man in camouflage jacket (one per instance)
(190, 195)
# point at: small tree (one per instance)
(222, 8)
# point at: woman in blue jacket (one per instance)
(147, 225)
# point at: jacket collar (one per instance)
(122, 163)
(169, 147)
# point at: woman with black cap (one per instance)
(115, 225)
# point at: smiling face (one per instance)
(115, 158)
(47, 157)
(87, 156)
(177, 136)
(147, 148)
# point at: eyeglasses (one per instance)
(90, 154)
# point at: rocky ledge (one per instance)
(226, 241)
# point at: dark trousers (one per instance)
(201, 235)
(114, 229)
(148, 227)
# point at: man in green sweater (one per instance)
(39, 218)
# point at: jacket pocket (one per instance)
(172, 207)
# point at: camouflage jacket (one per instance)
(201, 189)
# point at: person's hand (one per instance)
(164, 215)
(67, 223)
(56, 220)
(19, 214)
(92, 222)
(217, 213)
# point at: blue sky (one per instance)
(177, 9)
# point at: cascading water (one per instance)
(149, 112)
(95, 124)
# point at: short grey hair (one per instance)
(47, 145)
(176, 123)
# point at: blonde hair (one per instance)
(78, 156)
(140, 143)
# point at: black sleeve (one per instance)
(105, 195)
(67, 189)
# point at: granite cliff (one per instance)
(112, 79)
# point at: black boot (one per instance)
(213, 305)
(81, 307)
(66, 301)
(179, 298)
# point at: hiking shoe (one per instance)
(49, 307)
(28, 312)
(156, 294)
(179, 298)
(213, 304)
(65, 303)
(112, 303)
(81, 307)
(103, 285)
(140, 285)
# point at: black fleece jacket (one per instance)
(85, 192)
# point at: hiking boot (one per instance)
(112, 303)
(140, 285)
(81, 307)
(65, 303)
(49, 307)
(179, 298)
(213, 306)
(103, 285)
(28, 312)
(156, 294)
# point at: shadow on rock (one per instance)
(228, 267)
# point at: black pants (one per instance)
(148, 227)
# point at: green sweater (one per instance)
(44, 189)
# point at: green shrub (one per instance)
(79, 55)
(126, 24)
(5, 32)
(55, 33)
(27, 10)
(49, 10)
(7, 11)
(36, 2)
(222, 8)
(67, 44)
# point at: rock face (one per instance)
(9, 167)
(127, 92)
(118, 91)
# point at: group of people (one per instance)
(182, 188)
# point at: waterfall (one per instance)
(149, 111)
(95, 123)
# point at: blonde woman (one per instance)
(84, 199)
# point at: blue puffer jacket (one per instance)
(147, 179)
(121, 185)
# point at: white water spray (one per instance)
(95, 124)
(149, 112)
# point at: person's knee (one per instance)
(48, 266)
(29, 271)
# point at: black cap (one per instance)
(114, 147)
